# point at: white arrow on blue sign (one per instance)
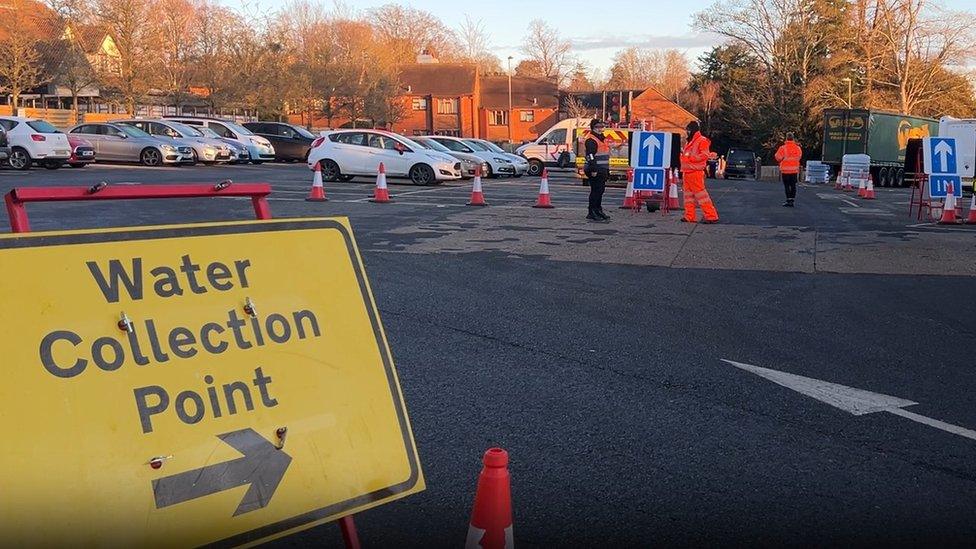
(650, 150)
(939, 155)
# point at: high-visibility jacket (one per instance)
(694, 157)
(788, 156)
(597, 154)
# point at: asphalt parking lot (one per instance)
(594, 354)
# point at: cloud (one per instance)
(699, 40)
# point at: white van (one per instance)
(964, 130)
(555, 147)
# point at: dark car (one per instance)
(4, 145)
(290, 142)
(741, 163)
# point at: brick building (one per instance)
(633, 106)
(534, 108)
(439, 98)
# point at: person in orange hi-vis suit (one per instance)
(694, 158)
(788, 156)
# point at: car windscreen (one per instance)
(185, 131)
(303, 132)
(741, 156)
(132, 131)
(477, 146)
(431, 144)
(207, 132)
(40, 126)
(237, 128)
(491, 146)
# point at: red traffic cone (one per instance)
(317, 194)
(630, 203)
(477, 195)
(861, 188)
(382, 194)
(971, 219)
(839, 184)
(673, 194)
(543, 201)
(848, 186)
(949, 208)
(491, 518)
(869, 190)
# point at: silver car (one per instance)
(124, 143)
(205, 149)
(520, 162)
(238, 152)
(469, 162)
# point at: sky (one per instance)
(596, 28)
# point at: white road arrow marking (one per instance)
(853, 401)
(944, 151)
(652, 143)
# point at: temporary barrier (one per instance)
(869, 190)
(92, 281)
(861, 187)
(672, 202)
(491, 517)
(629, 203)
(854, 168)
(382, 194)
(477, 195)
(317, 193)
(816, 172)
(543, 201)
(949, 208)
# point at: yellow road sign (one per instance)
(188, 385)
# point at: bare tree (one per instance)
(545, 46)
(19, 55)
(637, 68)
(576, 109)
(474, 46)
(406, 31)
(130, 24)
(176, 48)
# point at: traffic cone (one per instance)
(971, 220)
(848, 187)
(869, 190)
(543, 201)
(477, 195)
(673, 194)
(861, 188)
(491, 518)
(317, 194)
(839, 183)
(949, 208)
(630, 203)
(382, 194)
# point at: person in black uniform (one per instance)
(597, 152)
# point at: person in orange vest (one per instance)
(597, 150)
(694, 158)
(788, 156)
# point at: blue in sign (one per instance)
(648, 179)
(939, 186)
(943, 155)
(651, 149)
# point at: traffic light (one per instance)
(615, 107)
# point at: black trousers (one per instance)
(789, 182)
(597, 185)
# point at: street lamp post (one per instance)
(509, 98)
(850, 105)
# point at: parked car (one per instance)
(82, 152)
(497, 164)
(469, 162)
(4, 145)
(238, 152)
(520, 162)
(124, 143)
(205, 149)
(259, 149)
(290, 142)
(346, 153)
(741, 163)
(32, 140)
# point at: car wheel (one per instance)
(193, 153)
(882, 177)
(19, 159)
(77, 165)
(535, 168)
(151, 157)
(52, 164)
(900, 178)
(489, 174)
(330, 171)
(422, 174)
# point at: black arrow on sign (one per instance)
(262, 466)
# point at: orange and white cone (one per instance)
(382, 194)
(861, 188)
(673, 203)
(839, 184)
(949, 208)
(848, 186)
(491, 518)
(477, 194)
(869, 190)
(317, 194)
(630, 203)
(543, 201)
(971, 219)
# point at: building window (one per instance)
(527, 116)
(498, 118)
(451, 133)
(419, 104)
(447, 106)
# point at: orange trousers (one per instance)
(694, 191)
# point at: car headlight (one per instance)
(209, 149)
(502, 160)
(168, 148)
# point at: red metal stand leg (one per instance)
(17, 213)
(261, 209)
(349, 535)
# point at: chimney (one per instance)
(426, 57)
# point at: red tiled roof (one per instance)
(526, 93)
(441, 79)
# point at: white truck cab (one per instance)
(555, 147)
(964, 130)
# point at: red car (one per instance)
(82, 152)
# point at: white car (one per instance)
(521, 163)
(259, 148)
(204, 149)
(32, 140)
(238, 152)
(343, 154)
(498, 164)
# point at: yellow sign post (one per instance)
(187, 385)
